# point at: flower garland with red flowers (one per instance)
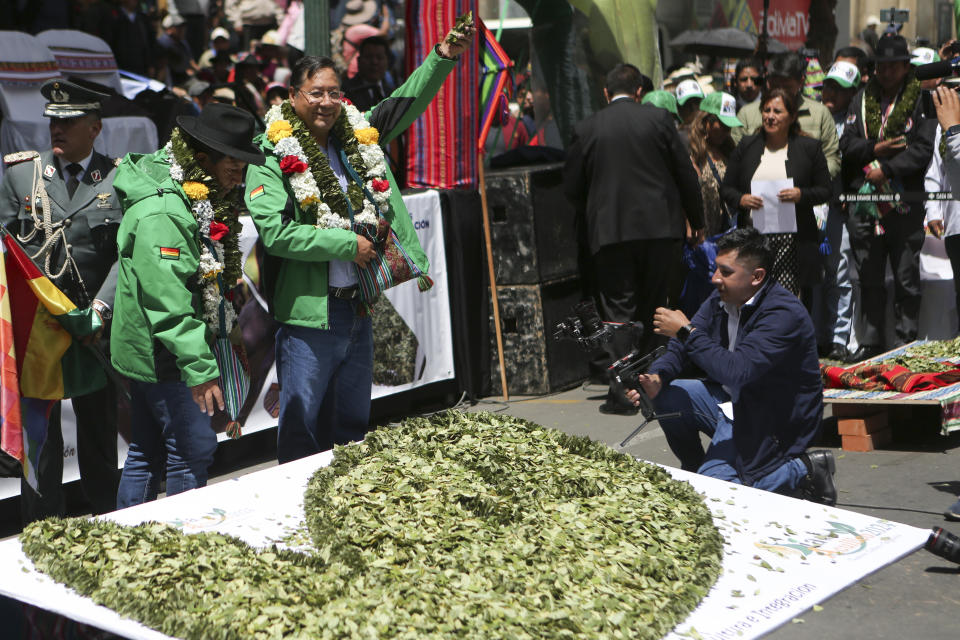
(315, 187)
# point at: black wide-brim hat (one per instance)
(227, 129)
(892, 48)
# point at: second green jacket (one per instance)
(158, 330)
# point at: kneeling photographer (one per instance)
(762, 401)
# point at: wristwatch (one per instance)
(952, 131)
(106, 313)
(684, 332)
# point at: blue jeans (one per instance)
(325, 378)
(168, 432)
(833, 307)
(698, 403)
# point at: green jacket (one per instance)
(94, 214)
(298, 252)
(158, 330)
(815, 120)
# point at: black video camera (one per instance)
(587, 329)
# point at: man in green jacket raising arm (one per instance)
(302, 201)
(179, 259)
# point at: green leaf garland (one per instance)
(902, 111)
(226, 207)
(327, 181)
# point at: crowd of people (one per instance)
(755, 180)
(238, 52)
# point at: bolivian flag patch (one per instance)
(169, 253)
(256, 193)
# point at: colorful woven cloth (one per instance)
(442, 143)
(880, 377)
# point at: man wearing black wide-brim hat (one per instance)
(61, 206)
(179, 261)
(886, 146)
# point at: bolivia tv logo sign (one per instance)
(787, 20)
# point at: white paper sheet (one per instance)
(775, 216)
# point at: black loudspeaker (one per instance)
(535, 362)
(531, 225)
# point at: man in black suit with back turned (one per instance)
(637, 196)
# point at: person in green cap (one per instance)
(710, 147)
(664, 100)
(833, 308)
(689, 96)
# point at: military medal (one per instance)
(95, 175)
(103, 198)
(48, 171)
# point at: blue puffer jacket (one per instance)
(773, 374)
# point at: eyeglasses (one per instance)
(317, 96)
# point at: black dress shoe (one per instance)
(839, 352)
(818, 485)
(865, 352)
(617, 409)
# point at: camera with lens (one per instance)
(587, 329)
(944, 544)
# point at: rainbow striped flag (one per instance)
(41, 362)
(495, 68)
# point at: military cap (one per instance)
(69, 100)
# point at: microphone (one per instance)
(940, 69)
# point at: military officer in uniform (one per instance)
(61, 206)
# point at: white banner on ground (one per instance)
(781, 557)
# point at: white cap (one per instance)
(171, 20)
(688, 89)
(924, 55)
(219, 32)
(873, 21)
(844, 73)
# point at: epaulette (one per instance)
(20, 156)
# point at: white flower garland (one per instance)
(210, 265)
(304, 185)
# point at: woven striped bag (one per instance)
(234, 380)
(391, 266)
(232, 362)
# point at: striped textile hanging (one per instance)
(442, 144)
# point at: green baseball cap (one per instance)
(844, 74)
(724, 106)
(662, 99)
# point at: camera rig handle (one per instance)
(625, 374)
